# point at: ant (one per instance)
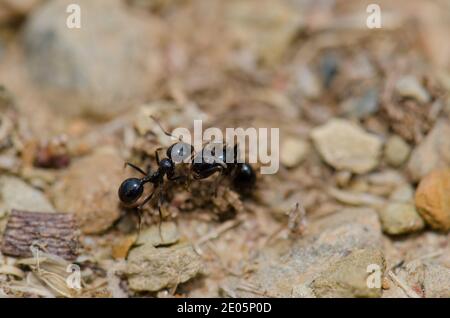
(203, 165)
(208, 162)
(132, 189)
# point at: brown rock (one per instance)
(433, 199)
(89, 190)
(120, 249)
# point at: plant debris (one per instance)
(55, 233)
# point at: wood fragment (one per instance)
(55, 233)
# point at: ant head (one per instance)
(166, 165)
(131, 190)
(179, 151)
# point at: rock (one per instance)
(361, 107)
(308, 83)
(265, 27)
(329, 68)
(400, 218)
(409, 86)
(293, 152)
(343, 178)
(282, 266)
(346, 146)
(120, 249)
(428, 278)
(356, 198)
(404, 193)
(76, 66)
(436, 281)
(16, 194)
(88, 188)
(396, 151)
(349, 276)
(386, 178)
(169, 235)
(302, 291)
(433, 200)
(152, 269)
(432, 153)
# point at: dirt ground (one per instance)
(363, 187)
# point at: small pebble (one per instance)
(409, 86)
(348, 277)
(308, 83)
(152, 269)
(361, 107)
(432, 153)
(433, 199)
(293, 152)
(396, 151)
(155, 235)
(346, 146)
(400, 218)
(343, 178)
(16, 194)
(404, 193)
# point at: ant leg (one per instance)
(160, 202)
(146, 200)
(175, 178)
(157, 155)
(208, 172)
(134, 167)
(218, 181)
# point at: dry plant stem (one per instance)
(253, 289)
(400, 283)
(55, 232)
(217, 232)
(297, 219)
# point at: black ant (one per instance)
(203, 165)
(208, 162)
(132, 189)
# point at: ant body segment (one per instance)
(132, 189)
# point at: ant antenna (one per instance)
(165, 131)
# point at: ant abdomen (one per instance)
(130, 190)
(245, 177)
